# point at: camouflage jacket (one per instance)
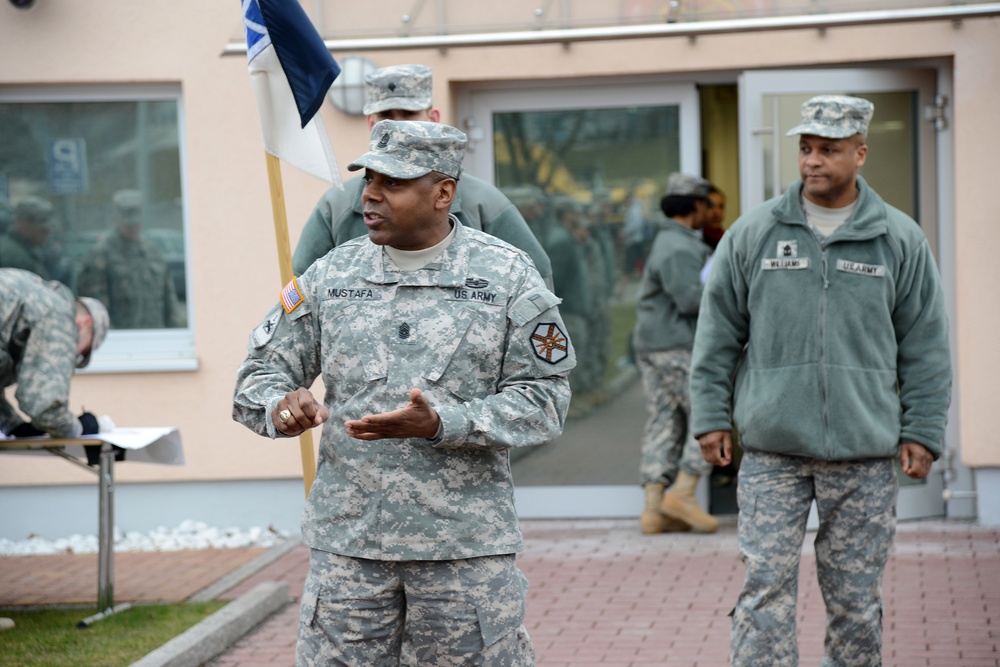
(337, 218)
(478, 332)
(39, 336)
(131, 278)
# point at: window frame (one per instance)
(133, 350)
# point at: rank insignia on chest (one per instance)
(788, 249)
(550, 343)
(291, 298)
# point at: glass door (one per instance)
(587, 166)
(901, 167)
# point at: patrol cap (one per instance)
(686, 185)
(834, 117)
(409, 149)
(128, 204)
(34, 209)
(99, 315)
(406, 87)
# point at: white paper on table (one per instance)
(144, 445)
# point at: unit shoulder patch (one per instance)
(262, 335)
(549, 343)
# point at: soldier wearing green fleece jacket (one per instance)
(823, 339)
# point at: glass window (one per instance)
(91, 195)
(589, 183)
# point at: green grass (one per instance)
(51, 638)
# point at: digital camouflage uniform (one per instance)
(39, 335)
(132, 279)
(479, 333)
(841, 346)
(666, 316)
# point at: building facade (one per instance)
(593, 105)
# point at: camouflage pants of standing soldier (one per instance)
(666, 442)
(856, 503)
(456, 612)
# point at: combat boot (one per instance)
(654, 521)
(680, 503)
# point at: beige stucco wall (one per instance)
(233, 260)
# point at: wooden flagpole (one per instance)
(285, 265)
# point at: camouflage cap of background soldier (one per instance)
(34, 209)
(408, 149)
(686, 185)
(128, 205)
(102, 322)
(406, 87)
(834, 117)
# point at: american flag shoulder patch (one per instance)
(291, 298)
(550, 343)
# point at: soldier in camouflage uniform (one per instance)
(45, 333)
(403, 92)
(823, 338)
(666, 316)
(440, 349)
(23, 246)
(129, 274)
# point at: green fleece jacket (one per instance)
(670, 293)
(841, 345)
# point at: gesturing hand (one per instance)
(417, 419)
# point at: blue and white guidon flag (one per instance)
(290, 71)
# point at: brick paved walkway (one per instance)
(602, 594)
(165, 576)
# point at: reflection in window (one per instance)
(90, 195)
(589, 182)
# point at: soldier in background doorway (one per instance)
(667, 313)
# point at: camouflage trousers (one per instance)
(455, 612)
(856, 503)
(667, 443)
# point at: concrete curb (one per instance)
(219, 631)
(245, 571)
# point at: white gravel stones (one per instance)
(188, 535)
